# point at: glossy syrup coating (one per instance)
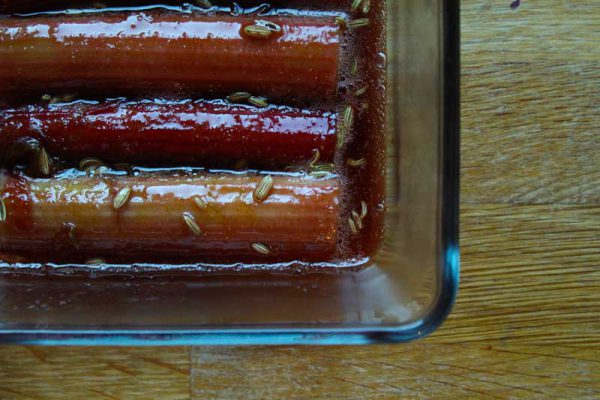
(173, 132)
(164, 53)
(171, 216)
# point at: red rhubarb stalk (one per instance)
(170, 54)
(173, 132)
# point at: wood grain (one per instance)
(416, 371)
(93, 373)
(530, 275)
(526, 324)
(531, 102)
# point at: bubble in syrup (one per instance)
(381, 60)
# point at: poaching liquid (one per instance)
(81, 191)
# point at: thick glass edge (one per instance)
(450, 192)
(450, 258)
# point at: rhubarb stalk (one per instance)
(170, 54)
(169, 217)
(189, 133)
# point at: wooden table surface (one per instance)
(527, 321)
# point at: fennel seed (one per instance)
(348, 117)
(347, 121)
(363, 209)
(354, 68)
(320, 174)
(199, 201)
(121, 198)
(95, 261)
(90, 162)
(345, 125)
(263, 189)
(46, 97)
(315, 158)
(360, 92)
(366, 6)
(257, 31)
(341, 22)
(356, 163)
(352, 226)
(357, 220)
(325, 167)
(355, 5)
(238, 97)
(258, 101)
(43, 162)
(191, 223)
(261, 248)
(341, 136)
(2, 210)
(358, 23)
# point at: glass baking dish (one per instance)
(405, 294)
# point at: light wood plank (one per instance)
(531, 102)
(530, 275)
(416, 371)
(94, 373)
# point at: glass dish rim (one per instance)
(449, 260)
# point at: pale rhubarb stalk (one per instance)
(169, 217)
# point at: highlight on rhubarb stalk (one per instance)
(176, 132)
(156, 52)
(170, 216)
